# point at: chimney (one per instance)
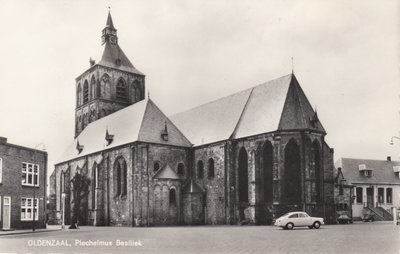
(389, 158)
(3, 140)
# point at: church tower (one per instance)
(108, 85)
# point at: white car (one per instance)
(298, 219)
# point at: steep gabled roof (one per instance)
(114, 57)
(382, 171)
(279, 104)
(298, 112)
(142, 121)
(166, 173)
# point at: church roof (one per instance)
(383, 171)
(114, 57)
(279, 104)
(166, 172)
(109, 23)
(142, 121)
(192, 187)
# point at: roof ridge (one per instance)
(347, 158)
(230, 95)
(241, 115)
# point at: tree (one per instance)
(79, 190)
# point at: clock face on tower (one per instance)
(113, 39)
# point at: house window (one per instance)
(1, 170)
(30, 174)
(121, 90)
(380, 195)
(172, 197)
(359, 193)
(28, 208)
(389, 195)
(181, 169)
(200, 170)
(211, 168)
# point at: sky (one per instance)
(345, 57)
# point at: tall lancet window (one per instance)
(121, 90)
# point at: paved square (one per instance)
(355, 238)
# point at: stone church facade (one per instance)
(245, 158)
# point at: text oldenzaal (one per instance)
(84, 243)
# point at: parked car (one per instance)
(369, 217)
(344, 219)
(298, 219)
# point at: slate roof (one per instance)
(382, 171)
(142, 121)
(111, 54)
(109, 23)
(166, 172)
(192, 187)
(275, 105)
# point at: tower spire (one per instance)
(109, 32)
(109, 23)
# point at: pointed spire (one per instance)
(110, 23)
(292, 66)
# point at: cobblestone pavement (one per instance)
(355, 238)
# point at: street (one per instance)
(353, 238)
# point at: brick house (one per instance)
(22, 186)
(376, 185)
(248, 157)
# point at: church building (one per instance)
(245, 158)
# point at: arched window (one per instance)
(156, 166)
(243, 176)
(292, 186)
(135, 91)
(79, 95)
(172, 197)
(200, 170)
(121, 90)
(85, 92)
(121, 182)
(211, 168)
(267, 167)
(181, 169)
(93, 88)
(105, 87)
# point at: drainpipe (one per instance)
(108, 192)
(148, 185)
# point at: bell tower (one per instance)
(109, 85)
(109, 32)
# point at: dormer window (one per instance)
(396, 170)
(109, 138)
(79, 147)
(164, 133)
(368, 173)
(364, 170)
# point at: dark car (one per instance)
(369, 217)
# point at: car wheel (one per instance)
(317, 225)
(289, 225)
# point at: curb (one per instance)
(27, 232)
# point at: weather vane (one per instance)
(292, 66)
